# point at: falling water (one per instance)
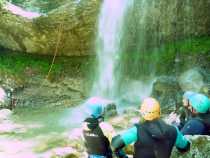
(110, 30)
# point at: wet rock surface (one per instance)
(73, 31)
(41, 92)
(68, 92)
(199, 148)
(168, 92)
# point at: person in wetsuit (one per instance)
(184, 111)
(152, 138)
(97, 133)
(199, 123)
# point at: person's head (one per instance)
(199, 103)
(95, 107)
(150, 109)
(186, 96)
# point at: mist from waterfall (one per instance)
(110, 32)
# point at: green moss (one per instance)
(18, 64)
(26, 65)
(165, 58)
(161, 59)
(169, 53)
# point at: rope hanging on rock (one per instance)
(60, 29)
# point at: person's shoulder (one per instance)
(166, 126)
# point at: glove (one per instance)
(187, 148)
(121, 154)
(117, 145)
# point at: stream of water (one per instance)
(110, 30)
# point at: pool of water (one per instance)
(43, 121)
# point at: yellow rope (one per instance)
(56, 49)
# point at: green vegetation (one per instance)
(19, 64)
(26, 65)
(1, 3)
(161, 59)
(165, 58)
(179, 51)
(196, 45)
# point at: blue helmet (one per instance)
(187, 94)
(200, 103)
(94, 107)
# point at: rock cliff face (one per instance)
(71, 27)
(74, 24)
(42, 6)
(155, 22)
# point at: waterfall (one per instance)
(110, 31)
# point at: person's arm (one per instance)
(126, 138)
(182, 144)
(120, 141)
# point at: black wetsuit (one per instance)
(199, 124)
(185, 115)
(155, 140)
(95, 141)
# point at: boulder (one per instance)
(5, 114)
(199, 148)
(192, 80)
(3, 96)
(110, 108)
(62, 152)
(69, 28)
(167, 91)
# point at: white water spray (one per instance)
(110, 30)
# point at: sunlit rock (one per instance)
(76, 140)
(74, 24)
(9, 127)
(191, 80)
(16, 148)
(125, 120)
(5, 114)
(50, 142)
(3, 95)
(21, 12)
(62, 152)
(60, 145)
